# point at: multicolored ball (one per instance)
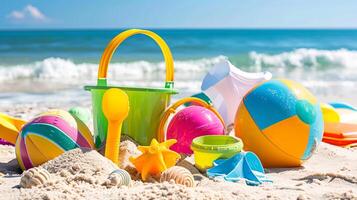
(281, 122)
(49, 135)
(192, 122)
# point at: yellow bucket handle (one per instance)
(172, 109)
(116, 41)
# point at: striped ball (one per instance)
(48, 136)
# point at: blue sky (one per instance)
(178, 14)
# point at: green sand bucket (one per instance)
(146, 104)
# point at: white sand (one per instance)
(330, 174)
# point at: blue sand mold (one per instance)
(244, 165)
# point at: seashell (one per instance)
(34, 177)
(180, 175)
(128, 149)
(119, 177)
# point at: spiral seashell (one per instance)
(119, 177)
(34, 177)
(180, 175)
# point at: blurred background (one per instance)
(50, 49)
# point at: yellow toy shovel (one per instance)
(10, 128)
(115, 105)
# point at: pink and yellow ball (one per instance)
(48, 136)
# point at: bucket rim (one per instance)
(141, 89)
(236, 144)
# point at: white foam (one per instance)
(296, 62)
(307, 58)
(321, 69)
(59, 69)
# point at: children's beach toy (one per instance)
(338, 128)
(48, 136)
(225, 85)
(147, 104)
(329, 113)
(10, 128)
(212, 147)
(340, 124)
(342, 105)
(281, 122)
(346, 140)
(347, 113)
(82, 113)
(115, 108)
(189, 123)
(244, 165)
(155, 159)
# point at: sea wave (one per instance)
(306, 58)
(325, 72)
(59, 69)
(299, 64)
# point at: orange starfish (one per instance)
(155, 158)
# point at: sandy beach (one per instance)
(331, 173)
(200, 83)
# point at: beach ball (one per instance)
(49, 135)
(191, 122)
(281, 122)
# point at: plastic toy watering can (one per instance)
(146, 104)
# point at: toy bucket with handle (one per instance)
(146, 104)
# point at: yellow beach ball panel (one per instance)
(269, 154)
(41, 149)
(292, 141)
(299, 90)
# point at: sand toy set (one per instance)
(276, 123)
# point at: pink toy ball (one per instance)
(201, 118)
(191, 122)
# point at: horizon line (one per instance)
(180, 28)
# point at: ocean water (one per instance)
(51, 66)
